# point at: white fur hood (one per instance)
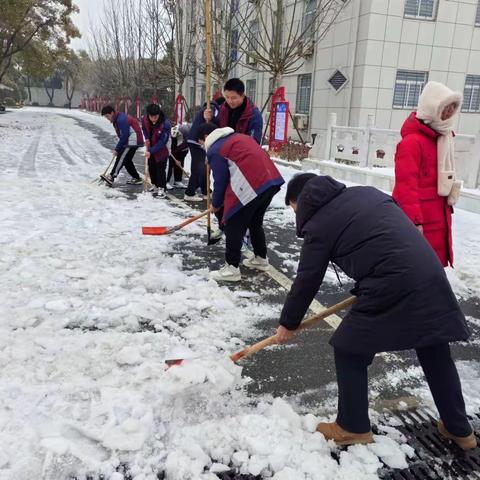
(217, 135)
(434, 98)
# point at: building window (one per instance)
(422, 9)
(308, 20)
(251, 90)
(337, 80)
(234, 45)
(253, 36)
(304, 89)
(477, 17)
(408, 87)
(203, 93)
(471, 94)
(192, 96)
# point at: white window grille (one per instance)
(421, 9)
(304, 90)
(408, 87)
(251, 90)
(308, 20)
(471, 94)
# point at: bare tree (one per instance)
(226, 33)
(281, 33)
(179, 36)
(131, 52)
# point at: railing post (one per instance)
(332, 122)
(475, 152)
(365, 146)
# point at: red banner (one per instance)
(278, 120)
(179, 109)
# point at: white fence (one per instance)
(375, 147)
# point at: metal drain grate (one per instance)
(435, 458)
(232, 475)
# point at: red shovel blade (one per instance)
(172, 363)
(155, 230)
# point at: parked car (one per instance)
(2, 107)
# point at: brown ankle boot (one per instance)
(465, 443)
(333, 431)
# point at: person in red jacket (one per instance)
(238, 111)
(156, 129)
(425, 184)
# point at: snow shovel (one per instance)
(310, 322)
(168, 230)
(104, 174)
(248, 351)
(179, 165)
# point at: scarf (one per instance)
(434, 98)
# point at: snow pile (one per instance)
(91, 309)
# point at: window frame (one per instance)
(474, 88)
(248, 82)
(309, 16)
(405, 105)
(299, 98)
(433, 18)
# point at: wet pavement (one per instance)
(303, 369)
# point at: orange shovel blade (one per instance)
(154, 230)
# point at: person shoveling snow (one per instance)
(404, 300)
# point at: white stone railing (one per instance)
(375, 147)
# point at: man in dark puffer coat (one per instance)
(404, 300)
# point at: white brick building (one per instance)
(377, 56)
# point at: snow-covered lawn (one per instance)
(89, 308)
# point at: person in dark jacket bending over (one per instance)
(156, 129)
(404, 300)
(245, 181)
(238, 111)
(198, 177)
(129, 139)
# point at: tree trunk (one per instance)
(50, 94)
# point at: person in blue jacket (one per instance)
(198, 179)
(156, 129)
(129, 140)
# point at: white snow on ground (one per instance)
(83, 386)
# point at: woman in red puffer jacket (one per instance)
(425, 183)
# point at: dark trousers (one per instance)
(198, 175)
(175, 169)
(157, 171)
(248, 217)
(125, 159)
(442, 378)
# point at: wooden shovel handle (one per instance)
(179, 165)
(246, 352)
